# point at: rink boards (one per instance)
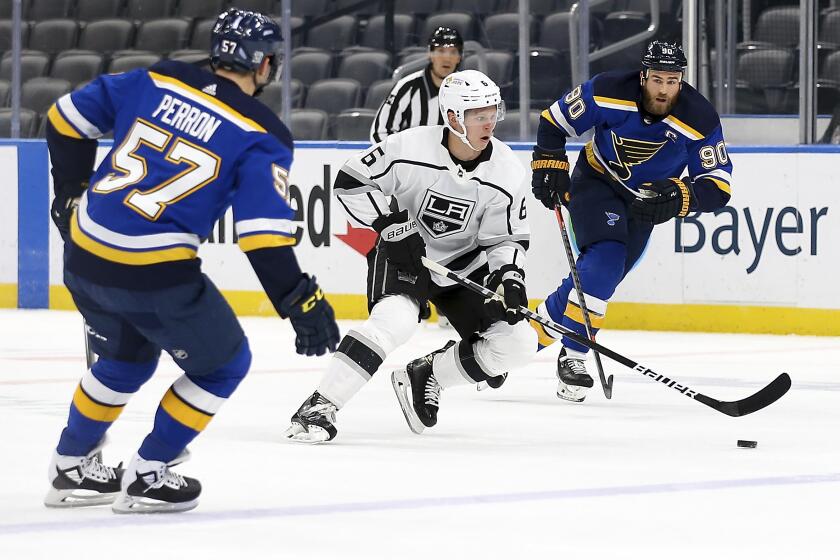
(768, 263)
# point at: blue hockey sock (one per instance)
(99, 399)
(600, 269)
(189, 405)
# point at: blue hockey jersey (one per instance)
(632, 147)
(188, 145)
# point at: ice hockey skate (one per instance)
(82, 481)
(151, 487)
(418, 391)
(572, 379)
(314, 421)
(492, 383)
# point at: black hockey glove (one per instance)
(509, 282)
(662, 200)
(550, 177)
(312, 318)
(401, 242)
(61, 211)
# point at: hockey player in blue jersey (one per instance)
(188, 144)
(649, 126)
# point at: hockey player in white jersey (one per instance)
(461, 202)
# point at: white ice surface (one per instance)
(513, 473)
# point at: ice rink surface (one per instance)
(511, 473)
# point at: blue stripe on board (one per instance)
(527, 146)
(33, 225)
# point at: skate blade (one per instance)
(132, 504)
(402, 387)
(571, 395)
(56, 498)
(299, 434)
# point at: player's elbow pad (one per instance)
(709, 195)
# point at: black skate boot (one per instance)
(82, 481)
(493, 382)
(314, 421)
(418, 391)
(151, 487)
(572, 379)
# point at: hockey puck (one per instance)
(749, 444)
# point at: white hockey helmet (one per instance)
(465, 90)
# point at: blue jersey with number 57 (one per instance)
(633, 147)
(188, 144)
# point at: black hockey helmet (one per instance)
(668, 57)
(241, 40)
(446, 37)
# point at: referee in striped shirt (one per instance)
(413, 101)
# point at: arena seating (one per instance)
(343, 59)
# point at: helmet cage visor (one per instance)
(480, 116)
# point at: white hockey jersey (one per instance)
(468, 214)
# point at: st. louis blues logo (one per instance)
(630, 152)
(612, 218)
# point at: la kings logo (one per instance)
(444, 215)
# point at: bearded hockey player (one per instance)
(460, 199)
(649, 126)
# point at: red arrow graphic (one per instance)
(360, 240)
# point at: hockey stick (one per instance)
(764, 397)
(606, 382)
(90, 356)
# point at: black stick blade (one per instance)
(763, 398)
(608, 387)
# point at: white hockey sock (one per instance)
(341, 382)
(391, 323)
(447, 369)
(575, 355)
